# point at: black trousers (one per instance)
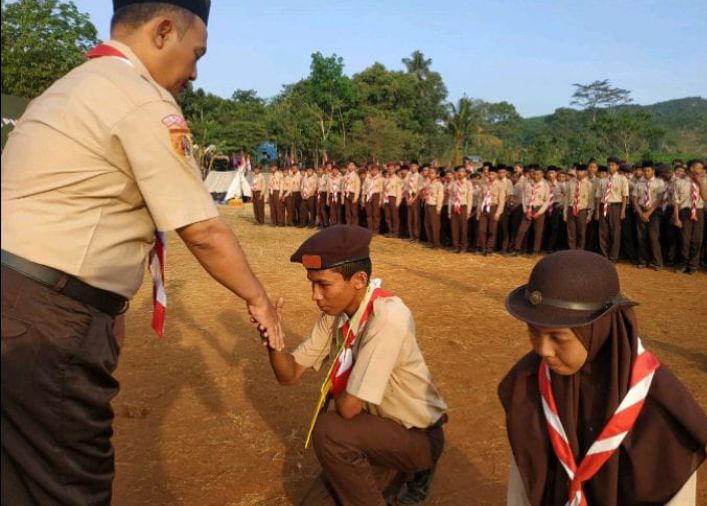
(58, 356)
(692, 237)
(610, 231)
(648, 238)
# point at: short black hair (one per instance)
(347, 270)
(691, 163)
(135, 15)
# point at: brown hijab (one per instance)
(657, 457)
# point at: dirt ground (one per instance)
(200, 419)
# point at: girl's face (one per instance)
(560, 349)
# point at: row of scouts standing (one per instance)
(650, 215)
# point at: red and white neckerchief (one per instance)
(575, 203)
(616, 429)
(158, 254)
(371, 187)
(607, 193)
(386, 182)
(457, 205)
(666, 196)
(343, 363)
(348, 183)
(647, 200)
(551, 200)
(531, 202)
(694, 197)
(486, 202)
(334, 185)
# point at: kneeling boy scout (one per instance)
(388, 415)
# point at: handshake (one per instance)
(267, 319)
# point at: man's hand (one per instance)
(263, 329)
(496, 217)
(677, 223)
(623, 215)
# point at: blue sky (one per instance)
(526, 52)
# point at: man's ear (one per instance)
(163, 29)
(360, 280)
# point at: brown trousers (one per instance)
(460, 229)
(308, 211)
(259, 207)
(414, 219)
(291, 219)
(276, 209)
(432, 225)
(351, 210)
(648, 239)
(335, 211)
(322, 211)
(361, 458)
(373, 213)
(692, 235)
(392, 216)
(577, 229)
(610, 231)
(488, 229)
(538, 227)
(58, 356)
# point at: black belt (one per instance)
(108, 302)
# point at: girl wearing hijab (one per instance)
(593, 418)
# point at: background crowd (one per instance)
(652, 216)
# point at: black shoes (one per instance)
(416, 490)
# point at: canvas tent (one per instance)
(12, 109)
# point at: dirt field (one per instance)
(201, 421)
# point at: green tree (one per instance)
(417, 65)
(41, 41)
(627, 131)
(598, 94)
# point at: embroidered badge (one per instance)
(172, 120)
(181, 141)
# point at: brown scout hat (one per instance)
(334, 246)
(567, 289)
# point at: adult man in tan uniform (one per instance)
(275, 189)
(308, 206)
(489, 211)
(258, 188)
(372, 190)
(689, 214)
(392, 197)
(79, 217)
(579, 208)
(352, 192)
(412, 200)
(388, 415)
(646, 199)
(459, 210)
(612, 197)
(434, 201)
(536, 199)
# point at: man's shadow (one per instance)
(176, 367)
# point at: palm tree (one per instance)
(418, 65)
(460, 125)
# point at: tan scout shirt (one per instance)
(95, 165)
(619, 189)
(435, 195)
(286, 185)
(335, 188)
(296, 182)
(536, 195)
(389, 372)
(372, 185)
(323, 183)
(498, 193)
(258, 183)
(309, 186)
(462, 192)
(682, 196)
(412, 185)
(655, 186)
(585, 196)
(352, 185)
(393, 187)
(275, 184)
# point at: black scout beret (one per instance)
(199, 7)
(334, 246)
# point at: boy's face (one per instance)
(332, 293)
(613, 167)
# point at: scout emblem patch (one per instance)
(180, 138)
(338, 374)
